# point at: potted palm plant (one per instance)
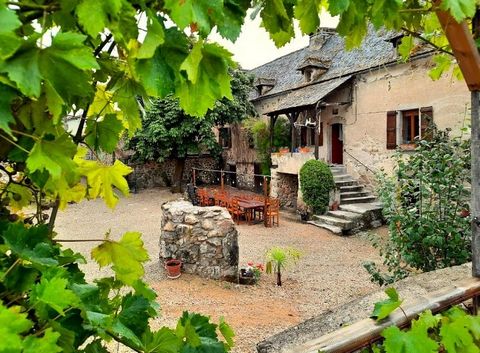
(278, 259)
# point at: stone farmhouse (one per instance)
(352, 109)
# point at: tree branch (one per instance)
(102, 44)
(423, 39)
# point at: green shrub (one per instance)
(316, 181)
(426, 205)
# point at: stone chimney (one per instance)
(318, 39)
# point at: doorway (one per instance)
(337, 144)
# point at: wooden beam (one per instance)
(365, 332)
(463, 46)
(273, 120)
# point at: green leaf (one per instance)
(30, 244)
(162, 341)
(69, 47)
(227, 332)
(20, 196)
(102, 178)
(12, 324)
(460, 9)
(443, 62)
(456, 332)
(337, 7)
(208, 79)
(104, 134)
(54, 102)
(45, 344)
(94, 15)
(126, 256)
(53, 293)
(24, 70)
(54, 156)
(230, 24)
(307, 11)
(135, 313)
(383, 308)
(277, 20)
(9, 41)
(6, 118)
(155, 37)
(198, 13)
(413, 341)
(406, 46)
(124, 332)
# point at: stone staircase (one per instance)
(358, 208)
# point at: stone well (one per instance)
(204, 238)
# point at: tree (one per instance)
(168, 132)
(85, 58)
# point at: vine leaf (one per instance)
(383, 308)
(413, 341)
(53, 155)
(306, 11)
(9, 42)
(94, 15)
(126, 256)
(208, 80)
(135, 313)
(45, 344)
(164, 340)
(12, 323)
(277, 21)
(21, 196)
(104, 134)
(226, 332)
(456, 332)
(155, 37)
(6, 118)
(230, 25)
(102, 178)
(460, 9)
(53, 293)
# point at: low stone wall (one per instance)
(203, 238)
(347, 314)
(288, 184)
(155, 174)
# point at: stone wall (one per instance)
(203, 238)
(288, 184)
(155, 174)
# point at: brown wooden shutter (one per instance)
(391, 130)
(320, 137)
(426, 121)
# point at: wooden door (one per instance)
(337, 144)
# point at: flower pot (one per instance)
(173, 268)
(246, 278)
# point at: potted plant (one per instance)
(250, 274)
(173, 268)
(278, 259)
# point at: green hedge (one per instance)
(316, 181)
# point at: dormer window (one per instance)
(312, 68)
(264, 85)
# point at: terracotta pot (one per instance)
(173, 268)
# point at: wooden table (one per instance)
(250, 206)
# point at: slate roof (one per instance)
(376, 50)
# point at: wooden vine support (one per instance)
(365, 332)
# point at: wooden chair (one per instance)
(235, 210)
(272, 212)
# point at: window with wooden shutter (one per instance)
(426, 123)
(391, 130)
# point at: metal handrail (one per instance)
(360, 162)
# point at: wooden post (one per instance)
(265, 189)
(273, 120)
(221, 180)
(318, 118)
(194, 177)
(475, 166)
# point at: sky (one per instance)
(254, 47)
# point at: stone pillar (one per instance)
(203, 238)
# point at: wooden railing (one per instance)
(365, 332)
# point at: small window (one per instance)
(410, 126)
(225, 137)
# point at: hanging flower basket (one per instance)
(173, 268)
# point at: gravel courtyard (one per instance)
(328, 274)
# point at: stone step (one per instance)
(333, 229)
(340, 177)
(362, 208)
(362, 199)
(351, 182)
(351, 188)
(344, 224)
(352, 194)
(344, 215)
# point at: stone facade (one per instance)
(203, 238)
(288, 183)
(155, 174)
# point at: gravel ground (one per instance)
(328, 274)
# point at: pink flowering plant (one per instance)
(253, 270)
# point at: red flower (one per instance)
(250, 263)
(260, 267)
